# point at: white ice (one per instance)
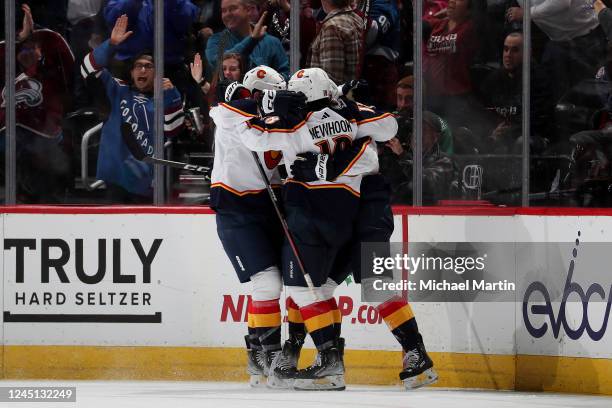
(153, 394)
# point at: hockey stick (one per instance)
(283, 222)
(136, 151)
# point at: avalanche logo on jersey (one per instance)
(28, 92)
(136, 116)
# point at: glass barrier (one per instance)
(570, 122)
(76, 82)
(5, 105)
(116, 52)
(46, 73)
(389, 68)
(472, 133)
(70, 144)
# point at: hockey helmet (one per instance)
(314, 83)
(263, 78)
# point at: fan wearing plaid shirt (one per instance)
(336, 49)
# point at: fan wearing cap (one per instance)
(247, 225)
(127, 179)
(439, 169)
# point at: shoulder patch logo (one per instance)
(272, 158)
(271, 120)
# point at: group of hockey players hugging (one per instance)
(332, 199)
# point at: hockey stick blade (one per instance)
(136, 150)
(178, 165)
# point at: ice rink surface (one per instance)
(152, 394)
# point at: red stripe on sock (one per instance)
(332, 303)
(290, 304)
(265, 306)
(314, 309)
(390, 306)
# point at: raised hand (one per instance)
(196, 68)
(167, 84)
(28, 23)
(120, 33)
(355, 89)
(396, 146)
(260, 29)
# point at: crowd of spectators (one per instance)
(472, 80)
(68, 52)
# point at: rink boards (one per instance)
(148, 293)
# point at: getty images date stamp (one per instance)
(37, 394)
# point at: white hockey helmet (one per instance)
(264, 78)
(314, 83)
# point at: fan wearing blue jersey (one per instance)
(127, 179)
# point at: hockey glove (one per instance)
(283, 103)
(313, 167)
(354, 89)
(235, 91)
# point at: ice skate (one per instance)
(326, 374)
(418, 368)
(269, 357)
(255, 365)
(284, 367)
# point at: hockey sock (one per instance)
(253, 339)
(399, 317)
(267, 321)
(319, 320)
(337, 316)
(297, 328)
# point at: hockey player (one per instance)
(246, 222)
(320, 213)
(284, 367)
(374, 224)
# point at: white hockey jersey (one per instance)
(324, 131)
(236, 182)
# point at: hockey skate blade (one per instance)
(427, 377)
(257, 381)
(279, 383)
(328, 383)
